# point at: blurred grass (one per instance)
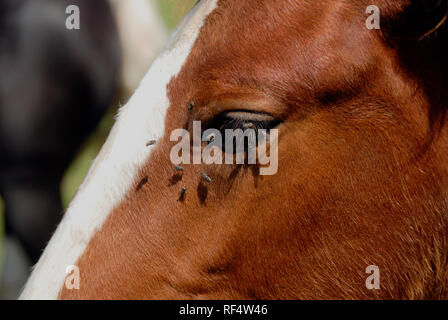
(172, 12)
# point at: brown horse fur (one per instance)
(363, 163)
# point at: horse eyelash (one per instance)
(222, 123)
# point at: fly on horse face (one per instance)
(362, 174)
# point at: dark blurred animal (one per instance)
(55, 85)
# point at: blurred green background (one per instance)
(171, 11)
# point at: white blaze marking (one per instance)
(114, 170)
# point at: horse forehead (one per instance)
(248, 37)
(114, 170)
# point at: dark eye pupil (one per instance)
(245, 122)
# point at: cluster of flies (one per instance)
(204, 176)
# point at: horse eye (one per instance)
(242, 120)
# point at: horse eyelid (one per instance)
(249, 116)
(243, 120)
